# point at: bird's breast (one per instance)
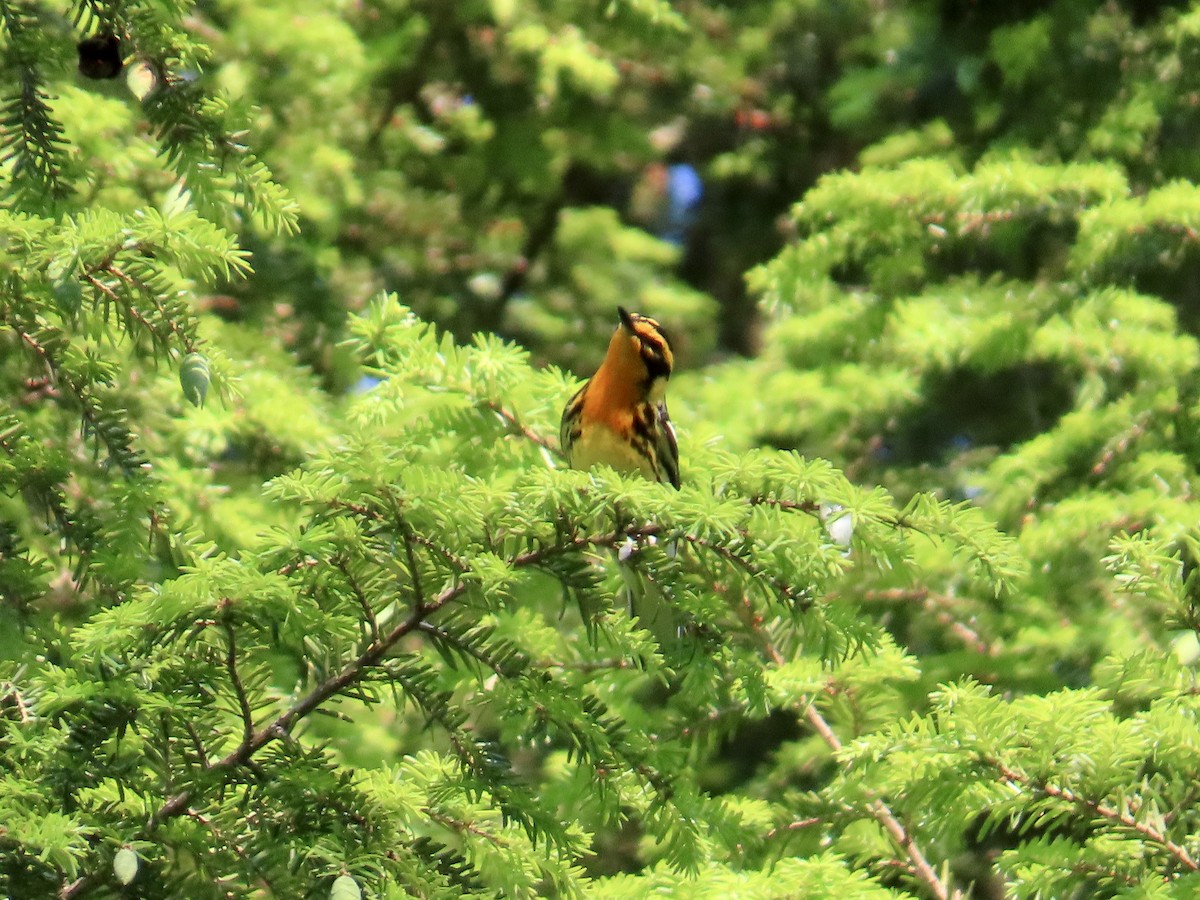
(599, 444)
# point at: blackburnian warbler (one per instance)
(619, 418)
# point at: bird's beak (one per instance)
(626, 319)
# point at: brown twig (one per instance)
(918, 864)
(598, 665)
(10, 698)
(343, 566)
(201, 753)
(939, 606)
(518, 427)
(414, 571)
(237, 848)
(1120, 444)
(173, 326)
(805, 506)
(462, 827)
(799, 602)
(798, 825)
(352, 672)
(239, 689)
(1101, 809)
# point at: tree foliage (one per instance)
(299, 600)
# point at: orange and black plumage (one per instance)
(619, 418)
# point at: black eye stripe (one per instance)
(657, 366)
(655, 356)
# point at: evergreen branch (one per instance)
(447, 862)
(882, 814)
(235, 679)
(49, 491)
(518, 427)
(342, 566)
(186, 340)
(806, 506)
(106, 426)
(790, 827)
(466, 648)
(938, 605)
(201, 752)
(454, 824)
(282, 725)
(757, 573)
(1099, 808)
(918, 864)
(458, 562)
(29, 134)
(367, 513)
(462, 646)
(414, 571)
(351, 673)
(239, 850)
(193, 131)
(1120, 444)
(133, 314)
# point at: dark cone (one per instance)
(100, 56)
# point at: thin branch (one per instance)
(1119, 445)
(805, 506)
(813, 508)
(171, 322)
(460, 564)
(237, 848)
(798, 825)
(518, 427)
(880, 812)
(587, 666)
(201, 753)
(89, 407)
(11, 699)
(1101, 809)
(414, 571)
(367, 513)
(288, 569)
(939, 606)
(474, 652)
(462, 827)
(888, 819)
(351, 672)
(757, 574)
(343, 566)
(235, 679)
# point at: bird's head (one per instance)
(639, 350)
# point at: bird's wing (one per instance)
(667, 448)
(568, 429)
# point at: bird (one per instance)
(619, 417)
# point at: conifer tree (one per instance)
(933, 558)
